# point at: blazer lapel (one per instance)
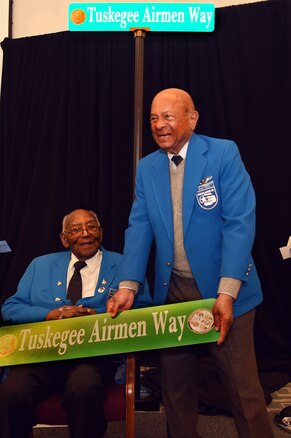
(194, 168)
(60, 276)
(106, 274)
(162, 191)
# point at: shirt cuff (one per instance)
(229, 286)
(129, 284)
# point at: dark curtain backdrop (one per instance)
(66, 140)
(66, 132)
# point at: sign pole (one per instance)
(139, 35)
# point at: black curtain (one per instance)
(66, 140)
(66, 132)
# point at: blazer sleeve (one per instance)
(19, 308)
(238, 214)
(138, 236)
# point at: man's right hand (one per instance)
(122, 300)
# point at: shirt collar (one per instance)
(91, 263)
(182, 153)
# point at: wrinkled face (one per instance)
(82, 234)
(173, 119)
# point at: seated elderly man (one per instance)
(55, 286)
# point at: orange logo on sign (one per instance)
(78, 16)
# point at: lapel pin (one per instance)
(206, 179)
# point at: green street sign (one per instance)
(150, 328)
(159, 17)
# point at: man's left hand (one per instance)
(73, 311)
(70, 312)
(223, 315)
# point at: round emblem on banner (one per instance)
(8, 344)
(201, 321)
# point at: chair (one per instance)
(119, 404)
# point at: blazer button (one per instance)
(165, 284)
(168, 263)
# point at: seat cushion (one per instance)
(50, 410)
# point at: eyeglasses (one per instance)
(91, 229)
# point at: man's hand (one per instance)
(223, 315)
(122, 300)
(69, 312)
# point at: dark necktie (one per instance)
(177, 159)
(75, 285)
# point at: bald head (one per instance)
(177, 95)
(173, 119)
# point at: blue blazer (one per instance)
(43, 288)
(218, 221)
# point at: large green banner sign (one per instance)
(131, 330)
(169, 17)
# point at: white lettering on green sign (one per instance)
(117, 331)
(59, 340)
(161, 322)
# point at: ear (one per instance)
(64, 241)
(194, 119)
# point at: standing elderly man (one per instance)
(194, 197)
(47, 291)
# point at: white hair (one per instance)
(90, 211)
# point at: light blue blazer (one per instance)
(43, 288)
(218, 221)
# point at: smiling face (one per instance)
(82, 234)
(173, 119)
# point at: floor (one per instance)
(281, 399)
(149, 424)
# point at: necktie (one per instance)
(75, 285)
(177, 159)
